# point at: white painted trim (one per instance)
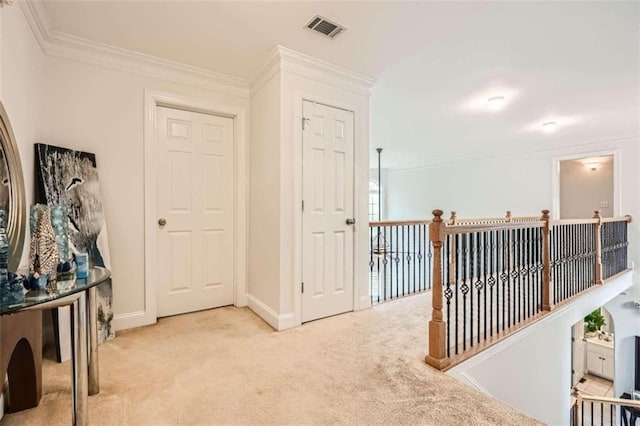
(67, 46)
(617, 179)
(506, 155)
(472, 382)
(361, 165)
(152, 99)
(284, 59)
(130, 320)
(271, 317)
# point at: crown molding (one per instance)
(66, 46)
(598, 145)
(288, 60)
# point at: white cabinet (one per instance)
(600, 360)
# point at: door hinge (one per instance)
(305, 121)
(302, 287)
(302, 205)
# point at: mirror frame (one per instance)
(16, 216)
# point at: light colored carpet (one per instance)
(226, 366)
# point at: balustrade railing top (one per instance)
(492, 276)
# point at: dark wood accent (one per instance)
(21, 358)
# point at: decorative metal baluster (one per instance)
(478, 283)
(464, 288)
(413, 257)
(458, 255)
(554, 262)
(487, 247)
(492, 280)
(472, 250)
(516, 277)
(500, 271)
(371, 262)
(509, 269)
(419, 254)
(527, 270)
(392, 245)
(448, 292)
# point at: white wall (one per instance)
(278, 92)
(582, 190)
(264, 215)
(531, 370)
(95, 109)
(626, 320)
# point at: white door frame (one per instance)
(617, 179)
(153, 99)
(359, 171)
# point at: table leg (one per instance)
(80, 381)
(92, 321)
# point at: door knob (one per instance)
(162, 221)
(351, 221)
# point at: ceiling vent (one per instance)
(325, 27)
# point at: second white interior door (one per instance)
(328, 194)
(195, 206)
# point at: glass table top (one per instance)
(65, 288)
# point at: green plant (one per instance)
(594, 321)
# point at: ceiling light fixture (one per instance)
(549, 127)
(496, 103)
(593, 165)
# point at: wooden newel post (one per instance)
(598, 235)
(547, 285)
(437, 327)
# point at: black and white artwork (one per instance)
(65, 176)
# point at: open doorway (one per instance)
(592, 350)
(586, 184)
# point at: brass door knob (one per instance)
(162, 221)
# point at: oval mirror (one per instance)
(12, 199)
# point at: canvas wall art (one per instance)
(68, 177)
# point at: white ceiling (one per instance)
(235, 37)
(576, 63)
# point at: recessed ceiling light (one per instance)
(549, 127)
(496, 103)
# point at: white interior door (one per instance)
(195, 199)
(328, 202)
(578, 346)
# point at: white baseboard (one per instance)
(263, 311)
(278, 322)
(364, 303)
(288, 321)
(132, 320)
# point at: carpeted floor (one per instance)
(226, 366)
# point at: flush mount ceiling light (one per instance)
(496, 103)
(549, 127)
(593, 165)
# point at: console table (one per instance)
(80, 294)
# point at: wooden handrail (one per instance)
(607, 400)
(466, 228)
(555, 222)
(627, 218)
(398, 223)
